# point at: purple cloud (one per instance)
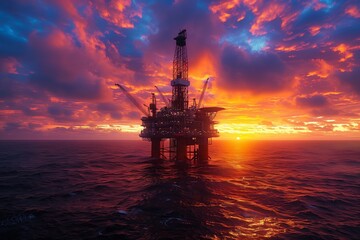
(315, 101)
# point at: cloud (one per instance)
(28, 111)
(6, 88)
(119, 13)
(61, 113)
(255, 72)
(315, 101)
(65, 69)
(202, 28)
(58, 110)
(134, 115)
(351, 79)
(11, 126)
(325, 112)
(9, 65)
(266, 123)
(59, 60)
(110, 108)
(353, 11)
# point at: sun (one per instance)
(238, 138)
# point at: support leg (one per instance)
(203, 153)
(155, 147)
(181, 149)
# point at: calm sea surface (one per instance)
(112, 190)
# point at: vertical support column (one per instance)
(181, 149)
(203, 153)
(155, 147)
(172, 148)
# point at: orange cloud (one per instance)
(314, 30)
(353, 11)
(317, 5)
(224, 5)
(322, 68)
(287, 19)
(268, 14)
(343, 49)
(75, 64)
(223, 10)
(203, 66)
(295, 47)
(118, 12)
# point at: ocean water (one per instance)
(112, 190)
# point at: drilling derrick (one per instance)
(180, 80)
(177, 131)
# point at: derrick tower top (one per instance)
(180, 80)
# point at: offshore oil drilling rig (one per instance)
(177, 131)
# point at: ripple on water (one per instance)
(112, 190)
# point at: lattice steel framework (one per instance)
(180, 81)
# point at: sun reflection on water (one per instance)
(266, 227)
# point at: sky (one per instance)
(282, 69)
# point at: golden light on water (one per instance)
(261, 227)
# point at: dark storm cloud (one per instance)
(315, 101)
(256, 72)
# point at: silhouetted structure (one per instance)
(177, 131)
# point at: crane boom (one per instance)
(203, 92)
(133, 100)
(166, 101)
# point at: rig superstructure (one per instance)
(177, 131)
